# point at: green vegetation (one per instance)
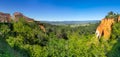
(115, 41)
(111, 15)
(22, 39)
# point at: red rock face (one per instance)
(18, 15)
(5, 17)
(104, 29)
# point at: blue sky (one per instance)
(61, 10)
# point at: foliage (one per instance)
(28, 40)
(115, 41)
(111, 15)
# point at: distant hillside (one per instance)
(70, 22)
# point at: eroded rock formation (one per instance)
(18, 15)
(42, 27)
(104, 29)
(118, 19)
(5, 17)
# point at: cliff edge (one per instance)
(105, 27)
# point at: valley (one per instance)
(22, 38)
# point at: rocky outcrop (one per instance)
(5, 17)
(118, 19)
(18, 15)
(42, 27)
(104, 29)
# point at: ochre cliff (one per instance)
(104, 29)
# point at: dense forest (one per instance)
(26, 39)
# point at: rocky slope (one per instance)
(18, 15)
(6, 17)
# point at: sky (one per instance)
(61, 10)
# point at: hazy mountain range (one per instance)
(70, 22)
